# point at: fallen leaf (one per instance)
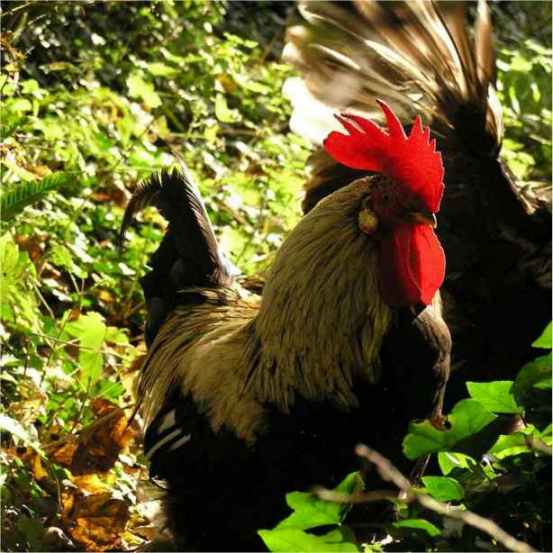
(96, 521)
(32, 459)
(90, 483)
(97, 447)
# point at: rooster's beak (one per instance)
(423, 218)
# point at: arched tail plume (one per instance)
(188, 256)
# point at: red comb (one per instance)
(411, 160)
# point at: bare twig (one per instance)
(356, 497)
(390, 473)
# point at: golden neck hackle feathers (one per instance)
(318, 326)
(321, 315)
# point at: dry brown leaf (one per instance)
(138, 361)
(32, 460)
(38, 170)
(63, 454)
(105, 296)
(90, 483)
(115, 194)
(102, 406)
(39, 472)
(97, 447)
(95, 521)
(33, 245)
(147, 532)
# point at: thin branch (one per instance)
(390, 473)
(356, 497)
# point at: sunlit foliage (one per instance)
(95, 97)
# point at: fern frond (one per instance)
(22, 194)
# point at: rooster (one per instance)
(420, 58)
(247, 397)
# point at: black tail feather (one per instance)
(188, 255)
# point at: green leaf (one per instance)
(293, 539)
(90, 330)
(546, 434)
(449, 461)
(419, 524)
(19, 105)
(61, 256)
(30, 86)
(509, 446)
(535, 374)
(467, 418)
(222, 111)
(18, 298)
(351, 483)
(310, 511)
(496, 396)
(443, 488)
(545, 341)
(139, 88)
(116, 335)
(159, 69)
(519, 63)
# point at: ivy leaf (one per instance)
(496, 396)
(419, 524)
(443, 488)
(510, 445)
(467, 418)
(545, 341)
(448, 461)
(310, 511)
(535, 374)
(293, 539)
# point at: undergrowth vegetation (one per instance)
(95, 97)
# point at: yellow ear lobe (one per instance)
(368, 221)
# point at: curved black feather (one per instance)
(188, 255)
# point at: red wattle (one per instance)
(412, 265)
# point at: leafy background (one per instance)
(95, 97)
